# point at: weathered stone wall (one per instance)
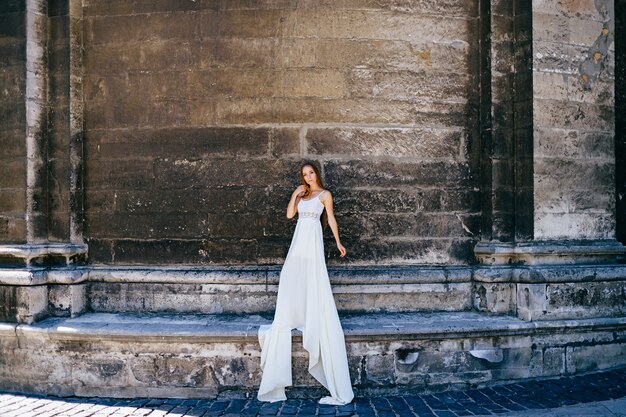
(58, 138)
(505, 121)
(573, 116)
(13, 121)
(198, 356)
(620, 123)
(198, 113)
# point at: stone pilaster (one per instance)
(47, 172)
(551, 198)
(506, 126)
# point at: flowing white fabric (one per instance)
(305, 302)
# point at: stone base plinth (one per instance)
(45, 254)
(551, 291)
(211, 356)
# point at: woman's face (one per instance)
(309, 175)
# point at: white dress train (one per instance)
(305, 302)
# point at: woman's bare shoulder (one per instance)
(325, 195)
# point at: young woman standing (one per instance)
(305, 302)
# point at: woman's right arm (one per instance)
(292, 207)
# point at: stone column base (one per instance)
(46, 254)
(551, 280)
(39, 280)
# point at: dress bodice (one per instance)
(311, 208)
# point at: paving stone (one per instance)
(521, 397)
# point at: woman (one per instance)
(305, 302)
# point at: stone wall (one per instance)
(620, 124)
(574, 119)
(198, 114)
(13, 117)
(505, 121)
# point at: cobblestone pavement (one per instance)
(517, 399)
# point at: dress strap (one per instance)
(320, 194)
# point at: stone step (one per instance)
(254, 289)
(217, 356)
(548, 292)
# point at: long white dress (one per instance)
(305, 302)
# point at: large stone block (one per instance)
(406, 251)
(573, 115)
(185, 142)
(423, 224)
(223, 52)
(602, 299)
(389, 174)
(591, 357)
(12, 200)
(141, 28)
(181, 173)
(557, 57)
(419, 57)
(590, 226)
(578, 174)
(119, 174)
(357, 201)
(570, 300)
(23, 304)
(550, 86)
(169, 55)
(67, 300)
(571, 143)
(398, 142)
(180, 251)
(408, 85)
(499, 298)
(13, 142)
(327, 84)
(14, 116)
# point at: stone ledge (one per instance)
(549, 252)
(268, 275)
(550, 273)
(202, 328)
(41, 276)
(210, 356)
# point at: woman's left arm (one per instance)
(327, 200)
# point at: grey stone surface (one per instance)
(369, 90)
(572, 81)
(595, 394)
(199, 355)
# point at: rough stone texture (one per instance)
(119, 355)
(573, 118)
(551, 292)
(620, 127)
(197, 115)
(13, 126)
(254, 290)
(23, 304)
(436, 124)
(506, 128)
(67, 300)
